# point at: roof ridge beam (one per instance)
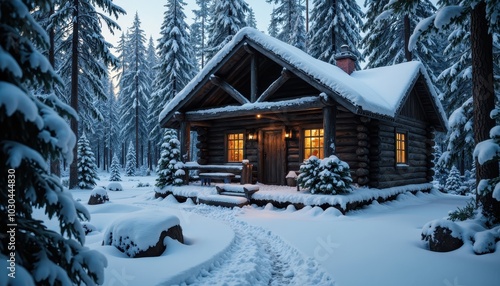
(275, 85)
(229, 89)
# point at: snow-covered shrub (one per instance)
(170, 168)
(87, 169)
(115, 186)
(115, 169)
(141, 234)
(453, 182)
(131, 160)
(328, 176)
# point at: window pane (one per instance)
(235, 147)
(401, 148)
(313, 143)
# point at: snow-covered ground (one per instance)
(378, 245)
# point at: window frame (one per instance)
(227, 140)
(398, 151)
(320, 148)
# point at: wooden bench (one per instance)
(206, 178)
(237, 190)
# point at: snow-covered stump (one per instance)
(115, 186)
(98, 196)
(442, 235)
(142, 234)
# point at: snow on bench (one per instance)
(223, 201)
(246, 190)
(206, 178)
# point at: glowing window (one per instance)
(313, 143)
(235, 147)
(401, 148)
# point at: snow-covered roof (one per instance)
(379, 91)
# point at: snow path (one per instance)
(256, 257)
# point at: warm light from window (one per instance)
(313, 143)
(401, 148)
(235, 147)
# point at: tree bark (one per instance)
(407, 31)
(55, 166)
(483, 92)
(73, 169)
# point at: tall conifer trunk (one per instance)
(73, 169)
(407, 31)
(483, 92)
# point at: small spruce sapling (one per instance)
(115, 170)
(87, 169)
(453, 182)
(131, 160)
(170, 167)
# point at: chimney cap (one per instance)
(345, 53)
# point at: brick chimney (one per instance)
(346, 60)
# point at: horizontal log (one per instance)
(363, 136)
(363, 181)
(362, 128)
(362, 143)
(360, 172)
(362, 151)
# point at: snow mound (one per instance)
(114, 186)
(138, 231)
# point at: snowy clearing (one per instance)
(377, 245)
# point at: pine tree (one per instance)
(131, 160)
(136, 86)
(228, 17)
(199, 30)
(34, 130)
(177, 67)
(87, 169)
(251, 22)
(453, 181)
(483, 26)
(288, 19)
(87, 57)
(388, 28)
(170, 168)
(115, 170)
(334, 23)
(309, 173)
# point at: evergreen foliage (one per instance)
(177, 66)
(333, 24)
(453, 181)
(199, 30)
(135, 88)
(465, 213)
(288, 19)
(251, 22)
(385, 28)
(115, 170)
(131, 159)
(87, 169)
(328, 176)
(170, 167)
(36, 131)
(227, 18)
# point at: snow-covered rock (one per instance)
(442, 235)
(114, 186)
(143, 233)
(98, 196)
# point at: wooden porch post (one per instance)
(185, 134)
(329, 113)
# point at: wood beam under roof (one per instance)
(275, 85)
(229, 89)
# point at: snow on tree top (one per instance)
(378, 90)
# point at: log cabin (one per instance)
(262, 100)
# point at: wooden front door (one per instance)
(273, 157)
